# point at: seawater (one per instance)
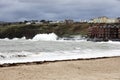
(48, 47)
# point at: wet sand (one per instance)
(98, 69)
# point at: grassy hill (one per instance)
(29, 31)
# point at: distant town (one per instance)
(97, 29)
(102, 19)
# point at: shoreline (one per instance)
(44, 62)
(95, 69)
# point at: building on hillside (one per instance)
(118, 19)
(112, 20)
(104, 32)
(83, 21)
(32, 22)
(54, 22)
(103, 19)
(69, 21)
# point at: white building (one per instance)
(103, 19)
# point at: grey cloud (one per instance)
(57, 9)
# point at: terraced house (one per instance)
(104, 32)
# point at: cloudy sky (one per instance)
(18, 10)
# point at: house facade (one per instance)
(103, 19)
(69, 21)
(104, 32)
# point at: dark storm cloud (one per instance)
(57, 9)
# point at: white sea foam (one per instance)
(48, 37)
(38, 37)
(7, 39)
(23, 38)
(46, 47)
(45, 37)
(57, 55)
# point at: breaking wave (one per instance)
(45, 37)
(7, 39)
(42, 37)
(48, 37)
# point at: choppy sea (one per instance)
(48, 47)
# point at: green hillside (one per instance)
(29, 31)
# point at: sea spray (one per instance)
(49, 37)
(45, 37)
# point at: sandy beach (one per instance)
(98, 69)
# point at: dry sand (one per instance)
(99, 69)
